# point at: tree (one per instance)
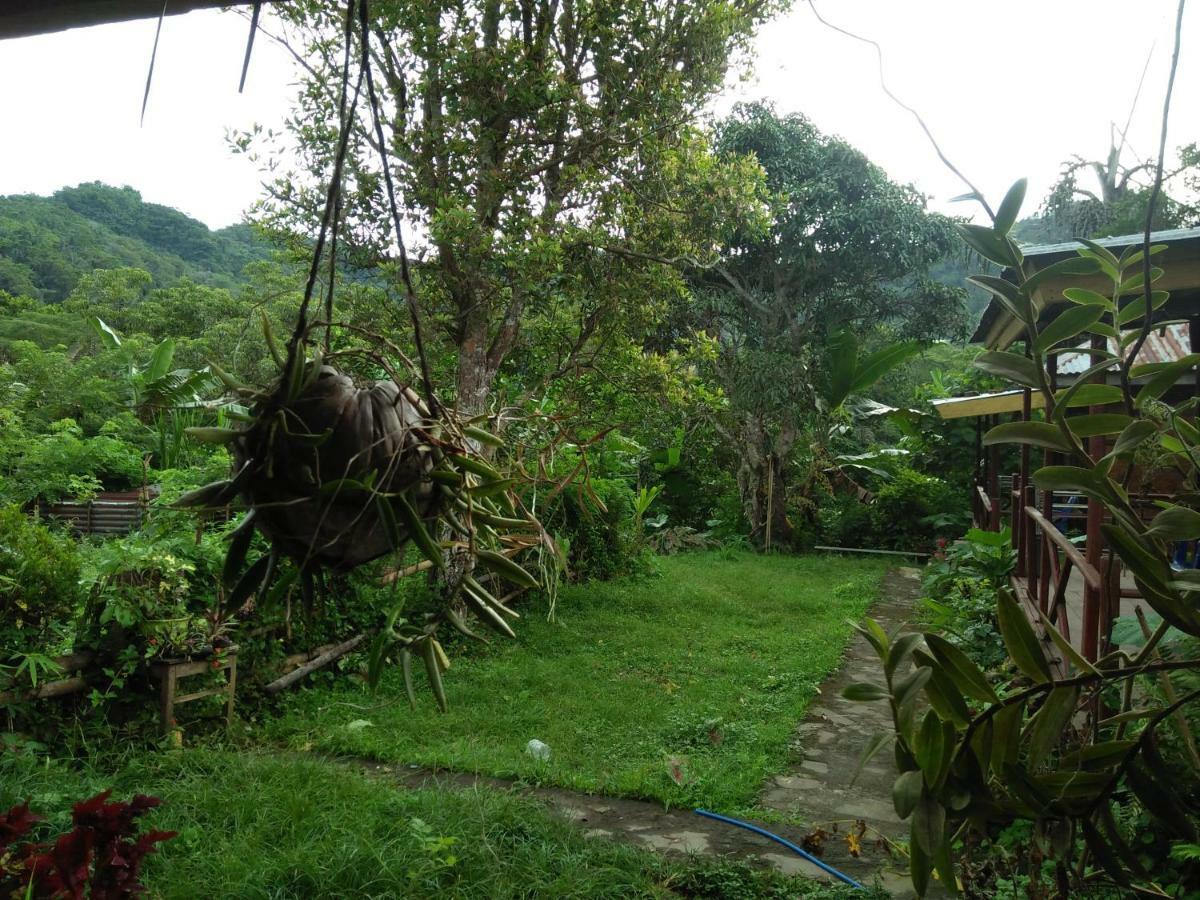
(543, 152)
(847, 250)
(1113, 200)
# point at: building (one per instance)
(1051, 565)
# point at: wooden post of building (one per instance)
(1093, 598)
(993, 479)
(1020, 521)
(1194, 342)
(1048, 458)
(978, 476)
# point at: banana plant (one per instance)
(643, 500)
(852, 373)
(152, 384)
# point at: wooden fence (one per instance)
(1046, 558)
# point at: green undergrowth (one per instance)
(684, 688)
(253, 825)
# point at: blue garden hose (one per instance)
(777, 839)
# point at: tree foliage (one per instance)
(1098, 198)
(845, 255)
(544, 156)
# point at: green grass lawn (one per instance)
(259, 826)
(684, 687)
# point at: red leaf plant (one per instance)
(99, 858)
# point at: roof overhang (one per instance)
(22, 18)
(1180, 261)
(987, 404)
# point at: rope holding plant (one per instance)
(335, 474)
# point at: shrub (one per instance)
(846, 522)
(136, 581)
(39, 577)
(100, 857)
(966, 614)
(599, 543)
(985, 556)
(960, 587)
(911, 510)
(65, 464)
(728, 524)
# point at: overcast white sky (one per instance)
(1010, 88)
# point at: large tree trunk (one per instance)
(480, 351)
(780, 532)
(762, 483)
(473, 381)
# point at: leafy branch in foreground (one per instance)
(1070, 739)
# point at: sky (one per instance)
(1009, 89)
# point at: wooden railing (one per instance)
(1058, 573)
(1045, 561)
(984, 514)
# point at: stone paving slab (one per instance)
(643, 823)
(825, 789)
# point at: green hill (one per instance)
(48, 243)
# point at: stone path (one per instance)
(816, 797)
(823, 791)
(640, 822)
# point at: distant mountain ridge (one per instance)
(47, 243)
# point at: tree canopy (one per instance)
(544, 155)
(847, 250)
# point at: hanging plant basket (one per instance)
(335, 474)
(340, 475)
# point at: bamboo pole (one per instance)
(46, 690)
(770, 499)
(331, 655)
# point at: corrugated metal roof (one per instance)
(1164, 345)
(996, 326)
(1123, 240)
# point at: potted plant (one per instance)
(140, 589)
